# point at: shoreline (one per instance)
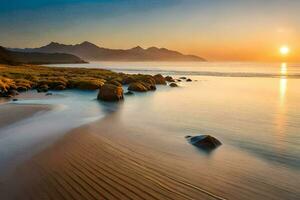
(18, 112)
(86, 164)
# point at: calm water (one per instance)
(254, 109)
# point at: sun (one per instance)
(284, 50)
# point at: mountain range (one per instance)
(92, 52)
(13, 57)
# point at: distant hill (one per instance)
(89, 51)
(13, 57)
(5, 57)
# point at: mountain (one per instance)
(89, 51)
(5, 57)
(14, 57)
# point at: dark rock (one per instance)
(42, 88)
(188, 80)
(182, 77)
(137, 86)
(169, 79)
(129, 93)
(173, 85)
(59, 87)
(15, 99)
(205, 142)
(179, 80)
(159, 79)
(13, 93)
(110, 92)
(48, 94)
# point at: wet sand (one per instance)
(87, 164)
(12, 113)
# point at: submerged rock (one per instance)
(182, 77)
(205, 142)
(188, 80)
(129, 93)
(110, 92)
(169, 79)
(48, 94)
(173, 85)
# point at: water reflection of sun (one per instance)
(280, 119)
(283, 69)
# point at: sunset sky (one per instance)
(217, 30)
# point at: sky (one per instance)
(218, 30)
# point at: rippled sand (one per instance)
(88, 165)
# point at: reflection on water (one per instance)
(283, 83)
(281, 117)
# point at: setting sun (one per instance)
(284, 50)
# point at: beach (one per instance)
(86, 164)
(136, 149)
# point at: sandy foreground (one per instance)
(87, 164)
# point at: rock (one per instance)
(128, 80)
(182, 77)
(169, 79)
(15, 99)
(205, 142)
(43, 88)
(173, 85)
(48, 94)
(188, 80)
(88, 84)
(13, 92)
(110, 92)
(149, 86)
(159, 79)
(59, 87)
(179, 80)
(137, 86)
(114, 82)
(129, 93)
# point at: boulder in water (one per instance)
(205, 142)
(173, 85)
(129, 93)
(169, 79)
(110, 92)
(188, 80)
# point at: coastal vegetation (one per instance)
(19, 78)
